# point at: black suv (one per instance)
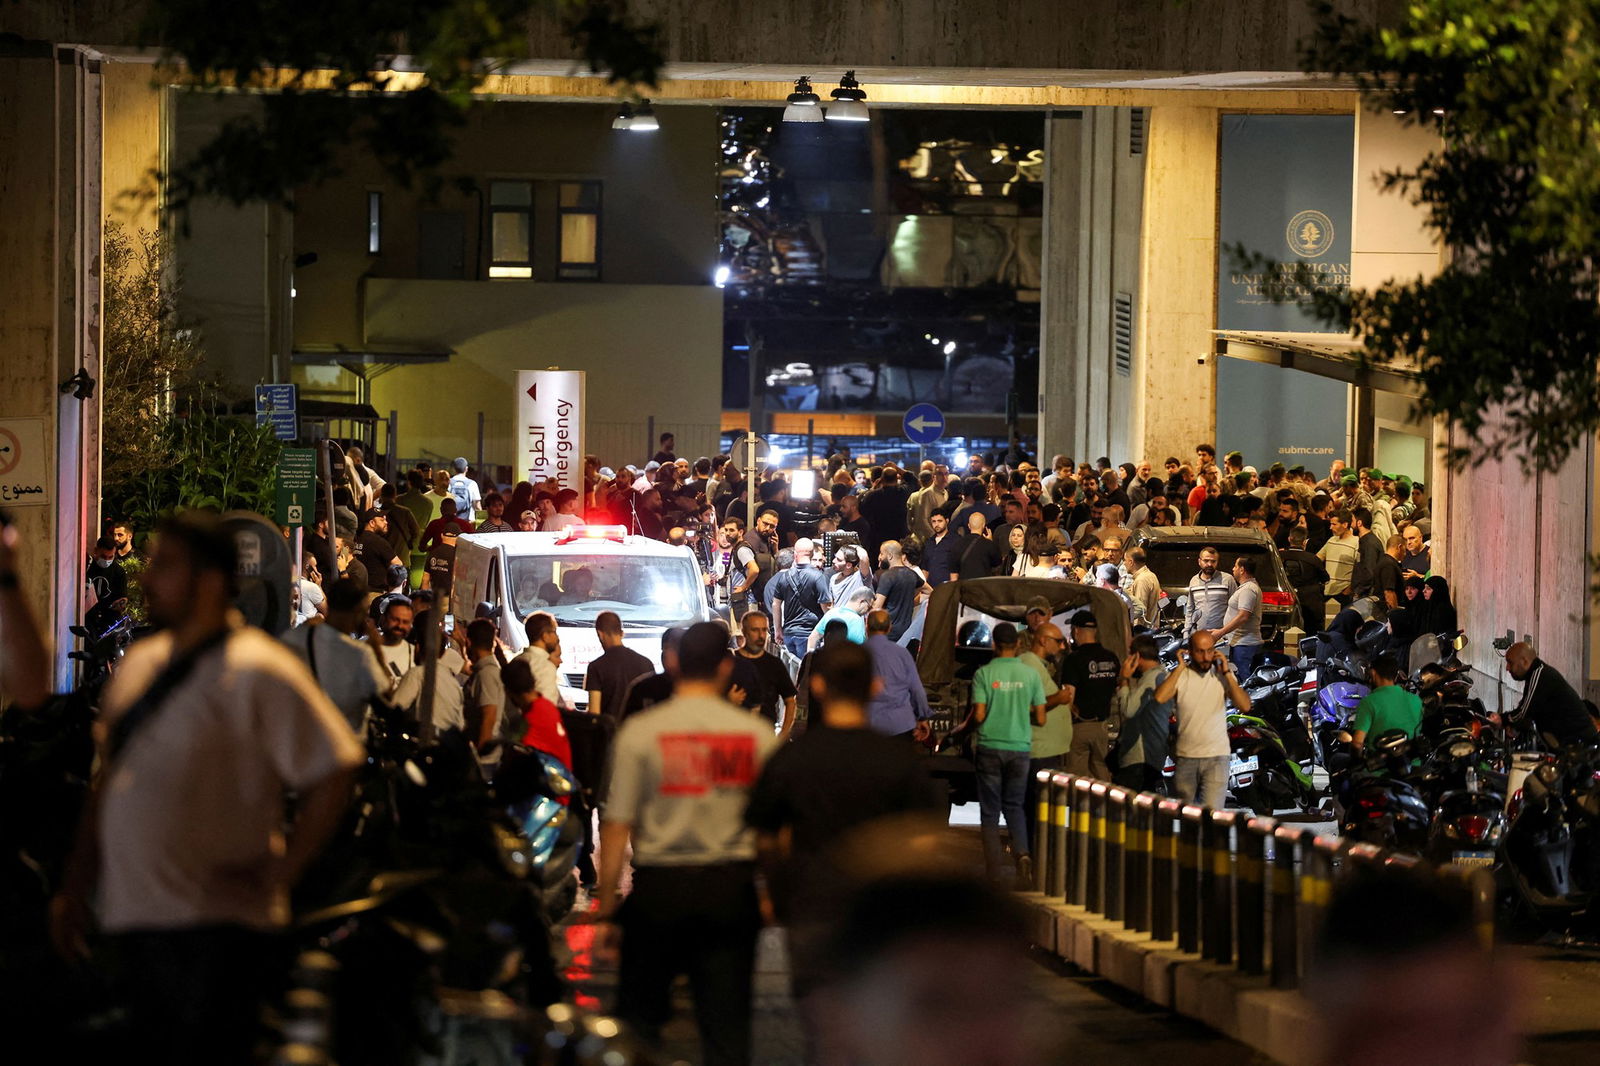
(1173, 552)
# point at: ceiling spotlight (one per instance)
(644, 118)
(640, 117)
(849, 102)
(804, 105)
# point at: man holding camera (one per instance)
(1199, 685)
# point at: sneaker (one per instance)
(1024, 873)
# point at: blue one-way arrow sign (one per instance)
(924, 424)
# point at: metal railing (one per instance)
(1236, 889)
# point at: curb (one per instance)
(1280, 1024)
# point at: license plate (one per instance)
(1473, 858)
(1242, 766)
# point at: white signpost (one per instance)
(549, 430)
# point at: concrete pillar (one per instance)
(1175, 408)
(50, 329)
(1094, 188)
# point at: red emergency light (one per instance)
(618, 534)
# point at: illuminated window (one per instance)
(578, 210)
(374, 222)
(511, 229)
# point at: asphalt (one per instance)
(1079, 1018)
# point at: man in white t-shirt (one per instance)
(1202, 752)
(395, 651)
(182, 847)
(464, 491)
(566, 514)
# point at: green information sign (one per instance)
(297, 486)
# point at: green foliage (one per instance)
(207, 460)
(1507, 335)
(330, 69)
(147, 356)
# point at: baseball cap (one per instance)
(1105, 572)
(1038, 603)
(1084, 620)
(1376, 474)
(1350, 479)
(367, 516)
(607, 473)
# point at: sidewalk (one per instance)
(1562, 1021)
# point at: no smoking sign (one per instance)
(24, 475)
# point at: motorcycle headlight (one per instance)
(515, 854)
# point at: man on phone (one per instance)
(1199, 685)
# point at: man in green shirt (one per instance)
(1042, 648)
(1008, 700)
(1386, 707)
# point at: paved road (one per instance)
(1081, 1018)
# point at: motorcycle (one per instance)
(1261, 774)
(1552, 845)
(1376, 800)
(428, 891)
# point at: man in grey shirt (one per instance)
(1208, 594)
(1242, 630)
(681, 778)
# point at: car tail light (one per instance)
(1473, 827)
(1278, 599)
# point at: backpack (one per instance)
(461, 492)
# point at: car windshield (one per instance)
(1175, 564)
(647, 591)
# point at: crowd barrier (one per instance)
(1237, 889)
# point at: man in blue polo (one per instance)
(1008, 701)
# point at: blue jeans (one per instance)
(1243, 657)
(1002, 786)
(796, 643)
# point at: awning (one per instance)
(1327, 355)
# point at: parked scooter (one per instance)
(1261, 775)
(1376, 801)
(428, 891)
(1552, 846)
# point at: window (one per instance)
(578, 209)
(374, 222)
(511, 229)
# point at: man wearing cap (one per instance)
(464, 490)
(1107, 576)
(1008, 700)
(1038, 613)
(1089, 678)
(372, 549)
(1351, 495)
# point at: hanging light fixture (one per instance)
(644, 118)
(640, 117)
(849, 102)
(804, 105)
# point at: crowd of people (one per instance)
(823, 598)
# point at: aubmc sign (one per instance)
(549, 430)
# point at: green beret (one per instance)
(1350, 479)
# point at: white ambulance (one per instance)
(574, 575)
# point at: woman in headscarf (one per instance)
(1438, 614)
(1016, 560)
(1405, 621)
